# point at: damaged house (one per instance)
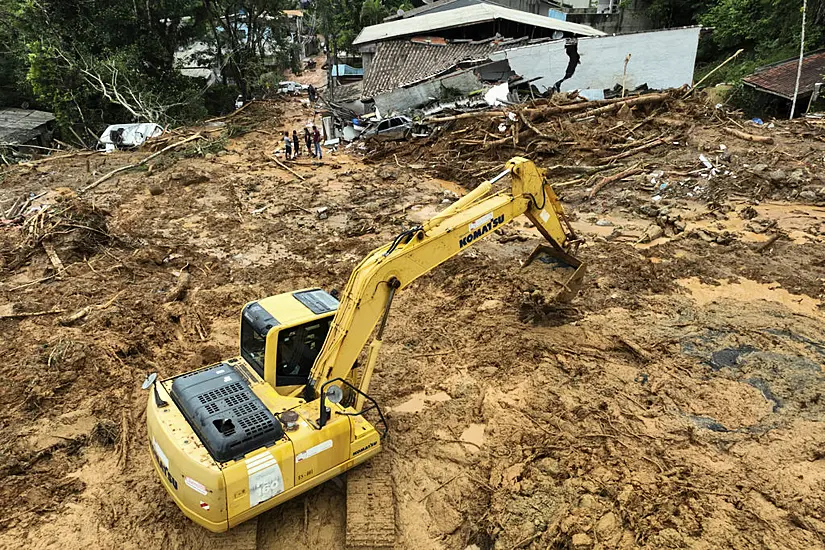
(414, 61)
(467, 46)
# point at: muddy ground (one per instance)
(676, 403)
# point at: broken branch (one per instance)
(748, 137)
(135, 165)
(615, 177)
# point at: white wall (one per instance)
(660, 59)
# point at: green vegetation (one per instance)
(768, 30)
(95, 63)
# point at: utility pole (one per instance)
(801, 56)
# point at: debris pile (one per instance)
(57, 220)
(590, 145)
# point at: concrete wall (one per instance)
(403, 99)
(660, 59)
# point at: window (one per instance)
(253, 347)
(298, 347)
(256, 323)
(384, 125)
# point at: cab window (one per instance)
(298, 347)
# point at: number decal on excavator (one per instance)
(163, 464)
(480, 227)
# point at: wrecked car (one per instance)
(394, 128)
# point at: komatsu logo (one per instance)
(480, 227)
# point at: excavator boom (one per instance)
(417, 251)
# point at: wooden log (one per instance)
(615, 177)
(748, 137)
(640, 100)
(645, 147)
(287, 168)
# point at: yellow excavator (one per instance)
(234, 439)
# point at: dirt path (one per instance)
(676, 404)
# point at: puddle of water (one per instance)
(418, 401)
(474, 434)
(746, 290)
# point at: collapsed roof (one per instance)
(18, 126)
(780, 79)
(399, 63)
(429, 23)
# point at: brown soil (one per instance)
(676, 403)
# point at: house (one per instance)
(779, 80)
(477, 21)
(25, 126)
(539, 7)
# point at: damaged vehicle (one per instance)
(395, 128)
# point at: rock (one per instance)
(759, 168)
(155, 190)
(748, 213)
(777, 176)
(797, 177)
(679, 226)
(608, 526)
(490, 305)
(548, 466)
(653, 232)
(807, 195)
(387, 173)
(581, 540)
(604, 223)
(190, 177)
(322, 212)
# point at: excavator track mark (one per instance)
(242, 537)
(371, 505)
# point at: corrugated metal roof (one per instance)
(22, 125)
(461, 17)
(780, 79)
(400, 63)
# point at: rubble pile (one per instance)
(587, 146)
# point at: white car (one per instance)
(290, 87)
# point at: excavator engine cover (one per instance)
(227, 416)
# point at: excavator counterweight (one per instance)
(234, 439)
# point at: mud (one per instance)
(676, 403)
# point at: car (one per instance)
(394, 128)
(290, 87)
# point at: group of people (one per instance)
(312, 140)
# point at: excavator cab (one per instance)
(281, 336)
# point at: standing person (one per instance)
(308, 141)
(287, 146)
(316, 139)
(296, 143)
(311, 93)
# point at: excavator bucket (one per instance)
(556, 271)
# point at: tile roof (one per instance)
(400, 63)
(780, 79)
(21, 125)
(466, 16)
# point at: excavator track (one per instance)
(371, 505)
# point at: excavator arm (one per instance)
(368, 295)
